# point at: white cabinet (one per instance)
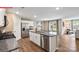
(37, 39)
(52, 43)
(31, 34)
(34, 37)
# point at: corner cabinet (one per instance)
(35, 37)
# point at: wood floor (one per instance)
(67, 43)
(27, 46)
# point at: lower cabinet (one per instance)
(31, 36)
(35, 37)
(48, 43)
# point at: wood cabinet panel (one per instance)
(9, 27)
(45, 25)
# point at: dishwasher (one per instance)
(45, 42)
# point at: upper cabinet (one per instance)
(27, 24)
(37, 25)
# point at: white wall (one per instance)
(17, 27)
(2, 13)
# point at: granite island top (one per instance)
(7, 35)
(50, 34)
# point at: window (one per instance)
(53, 26)
(75, 24)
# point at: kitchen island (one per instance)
(45, 40)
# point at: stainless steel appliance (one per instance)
(8, 41)
(45, 42)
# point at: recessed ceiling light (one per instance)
(35, 16)
(17, 12)
(57, 8)
(46, 19)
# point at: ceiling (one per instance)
(45, 13)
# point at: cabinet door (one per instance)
(34, 37)
(53, 44)
(31, 36)
(38, 39)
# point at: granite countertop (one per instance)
(51, 34)
(7, 35)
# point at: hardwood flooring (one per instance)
(67, 43)
(27, 46)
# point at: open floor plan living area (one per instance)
(39, 29)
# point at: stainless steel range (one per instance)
(8, 43)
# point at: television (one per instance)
(3, 22)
